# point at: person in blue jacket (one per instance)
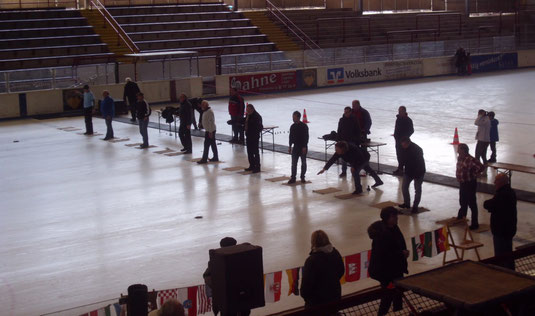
(107, 109)
(494, 137)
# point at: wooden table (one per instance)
(267, 130)
(509, 168)
(373, 146)
(471, 286)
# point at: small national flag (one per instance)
(364, 264)
(273, 286)
(204, 303)
(113, 310)
(293, 281)
(441, 238)
(93, 313)
(165, 295)
(188, 298)
(352, 263)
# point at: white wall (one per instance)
(526, 58)
(44, 102)
(439, 66)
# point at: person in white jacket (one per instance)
(208, 122)
(482, 136)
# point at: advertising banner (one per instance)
(375, 72)
(267, 82)
(307, 79)
(492, 62)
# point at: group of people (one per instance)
(463, 62)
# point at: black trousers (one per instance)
(253, 153)
(132, 105)
(389, 296)
(467, 198)
(185, 136)
(109, 128)
(503, 246)
(88, 114)
(398, 154)
(237, 127)
(481, 151)
(296, 154)
(209, 142)
(493, 150)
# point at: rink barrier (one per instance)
(61, 101)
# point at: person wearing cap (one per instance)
(503, 218)
(89, 104)
(131, 90)
(207, 275)
(388, 260)
(468, 169)
(107, 109)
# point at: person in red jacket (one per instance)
(236, 109)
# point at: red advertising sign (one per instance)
(268, 82)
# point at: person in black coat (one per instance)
(184, 130)
(131, 90)
(196, 105)
(363, 118)
(299, 139)
(502, 208)
(403, 128)
(322, 272)
(388, 259)
(348, 130)
(358, 158)
(253, 128)
(412, 156)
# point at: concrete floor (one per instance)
(81, 218)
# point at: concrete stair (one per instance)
(274, 33)
(106, 33)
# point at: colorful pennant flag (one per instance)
(357, 266)
(429, 244)
(165, 295)
(441, 237)
(188, 298)
(204, 302)
(272, 283)
(293, 281)
(113, 310)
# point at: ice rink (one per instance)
(82, 218)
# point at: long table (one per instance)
(509, 168)
(372, 146)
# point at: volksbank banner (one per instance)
(492, 62)
(374, 72)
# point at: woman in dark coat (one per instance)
(253, 128)
(389, 257)
(322, 272)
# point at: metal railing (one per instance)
(301, 36)
(23, 4)
(439, 15)
(343, 20)
(110, 20)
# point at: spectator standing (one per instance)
(184, 130)
(349, 131)
(143, 114)
(208, 123)
(89, 105)
(130, 92)
(494, 137)
(107, 109)
(322, 272)
(503, 218)
(236, 107)
(299, 140)
(171, 307)
(253, 128)
(363, 118)
(468, 168)
(196, 105)
(357, 158)
(460, 61)
(207, 275)
(403, 128)
(388, 260)
(482, 136)
(412, 157)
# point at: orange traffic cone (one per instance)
(305, 118)
(455, 138)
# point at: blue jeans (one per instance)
(143, 124)
(296, 154)
(417, 188)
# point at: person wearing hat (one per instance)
(388, 259)
(89, 104)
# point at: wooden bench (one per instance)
(184, 25)
(196, 33)
(39, 23)
(67, 50)
(37, 42)
(171, 17)
(202, 42)
(509, 168)
(47, 31)
(167, 9)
